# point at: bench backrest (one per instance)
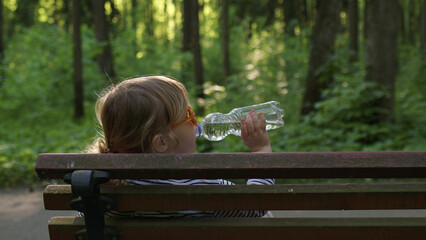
(239, 165)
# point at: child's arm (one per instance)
(253, 133)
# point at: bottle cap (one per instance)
(198, 131)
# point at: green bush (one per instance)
(36, 93)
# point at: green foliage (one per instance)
(37, 59)
(16, 168)
(344, 120)
(36, 100)
(36, 94)
(151, 58)
(21, 143)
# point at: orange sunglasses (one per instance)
(190, 117)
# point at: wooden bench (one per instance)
(404, 189)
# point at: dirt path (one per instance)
(22, 214)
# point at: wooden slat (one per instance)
(243, 165)
(336, 196)
(63, 228)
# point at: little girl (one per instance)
(153, 115)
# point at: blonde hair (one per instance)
(134, 111)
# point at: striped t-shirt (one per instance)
(173, 214)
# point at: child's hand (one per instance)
(253, 133)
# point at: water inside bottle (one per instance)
(218, 131)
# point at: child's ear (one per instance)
(159, 143)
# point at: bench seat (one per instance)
(251, 229)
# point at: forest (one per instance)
(350, 74)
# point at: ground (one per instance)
(22, 214)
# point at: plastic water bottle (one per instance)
(216, 126)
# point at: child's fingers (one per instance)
(255, 121)
(249, 122)
(262, 122)
(243, 128)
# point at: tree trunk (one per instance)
(133, 14)
(381, 59)
(134, 25)
(66, 12)
(401, 23)
(1, 43)
(423, 27)
(149, 25)
(411, 22)
(303, 16)
(78, 66)
(327, 21)
(25, 12)
(186, 71)
(225, 42)
(290, 16)
(187, 25)
(196, 50)
(1, 32)
(105, 60)
(365, 33)
(270, 7)
(175, 15)
(56, 15)
(353, 30)
(165, 26)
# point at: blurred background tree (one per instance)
(327, 22)
(77, 60)
(350, 74)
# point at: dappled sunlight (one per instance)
(11, 5)
(139, 55)
(266, 63)
(253, 74)
(215, 94)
